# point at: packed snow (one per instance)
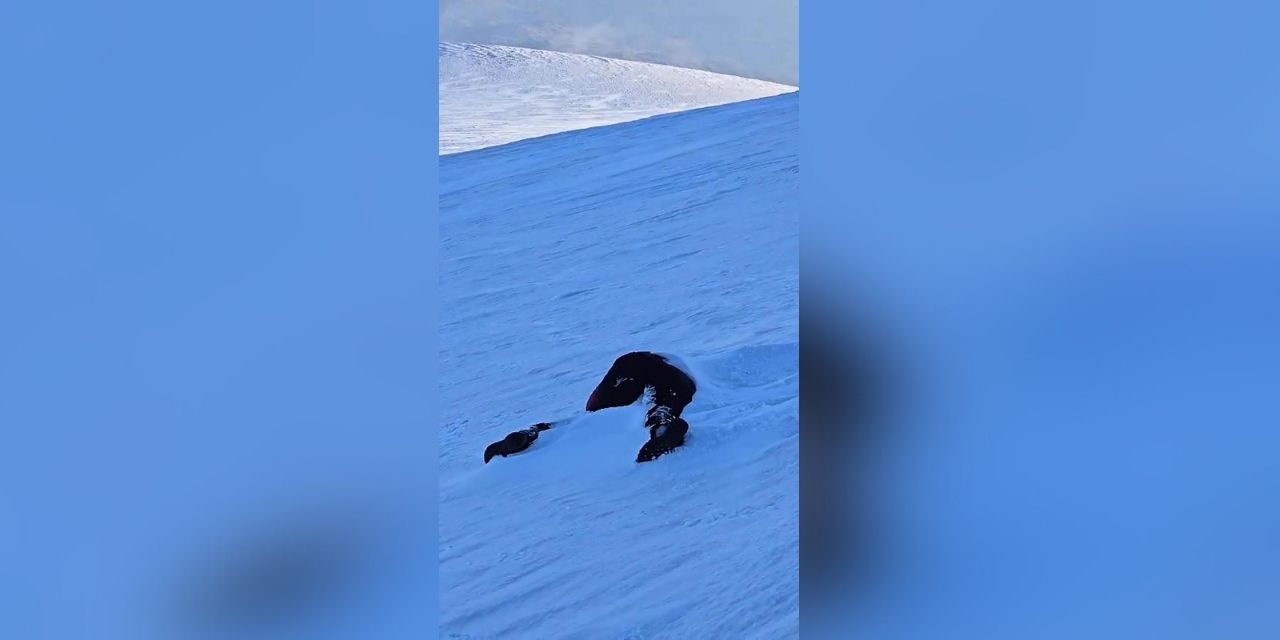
(492, 94)
(677, 234)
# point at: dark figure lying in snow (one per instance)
(625, 383)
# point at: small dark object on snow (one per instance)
(515, 442)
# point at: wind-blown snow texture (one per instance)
(492, 95)
(677, 234)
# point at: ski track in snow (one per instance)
(678, 234)
(483, 86)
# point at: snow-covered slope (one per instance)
(491, 94)
(678, 234)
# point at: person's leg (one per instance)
(666, 431)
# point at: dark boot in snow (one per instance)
(663, 439)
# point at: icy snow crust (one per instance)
(492, 95)
(677, 234)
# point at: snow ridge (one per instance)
(492, 94)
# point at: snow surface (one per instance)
(678, 234)
(492, 94)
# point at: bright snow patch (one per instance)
(677, 234)
(492, 95)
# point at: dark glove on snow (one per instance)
(515, 442)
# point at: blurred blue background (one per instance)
(216, 265)
(1059, 222)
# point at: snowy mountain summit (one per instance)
(492, 95)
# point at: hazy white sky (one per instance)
(754, 38)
